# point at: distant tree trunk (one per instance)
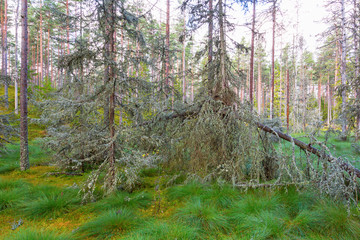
(184, 62)
(319, 96)
(343, 70)
(287, 100)
(252, 56)
(41, 47)
(259, 90)
(16, 58)
(24, 149)
(167, 47)
(356, 48)
(222, 47)
(273, 61)
(210, 40)
(4, 52)
(328, 94)
(67, 27)
(48, 55)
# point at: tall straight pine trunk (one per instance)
(24, 149)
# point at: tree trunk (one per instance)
(41, 47)
(184, 62)
(222, 47)
(273, 61)
(252, 56)
(167, 48)
(343, 71)
(328, 93)
(287, 100)
(259, 90)
(24, 149)
(4, 53)
(356, 48)
(67, 27)
(210, 40)
(16, 58)
(319, 96)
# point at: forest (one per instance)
(188, 119)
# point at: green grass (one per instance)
(200, 214)
(10, 159)
(35, 234)
(124, 199)
(165, 231)
(50, 203)
(110, 223)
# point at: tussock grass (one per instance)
(50, 202)
(200, 214)
(252, 204)
(335, 221)
(35, 234)
(6, 184)
(165, 231)
(10, 198)
(124, 199)
(10, 159)
(186, 191)
(264, 225)
(109, 224)
(295, 201)
(222, 195)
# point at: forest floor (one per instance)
(38, 204)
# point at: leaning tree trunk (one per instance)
(24, 149)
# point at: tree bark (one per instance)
(273, 61)
(41, 47)
(259, 89)
(184, 62)
(287, 100)
(24, 149)
(16, 59)
(343, 71)
(167, 48)
(252, 56)
(319, 96)
(4, 53)
(222, 47)
(210, 40)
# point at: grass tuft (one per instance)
(335, 220)
(124, 199)
(200, 214)
(34, 234)
(165, 231)
(186, 191)
(51, 203)
(10, 198)
(110, 223)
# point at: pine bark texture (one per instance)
(251, 89)
(24, 148)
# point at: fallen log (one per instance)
(307, 147)
(65, 173)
